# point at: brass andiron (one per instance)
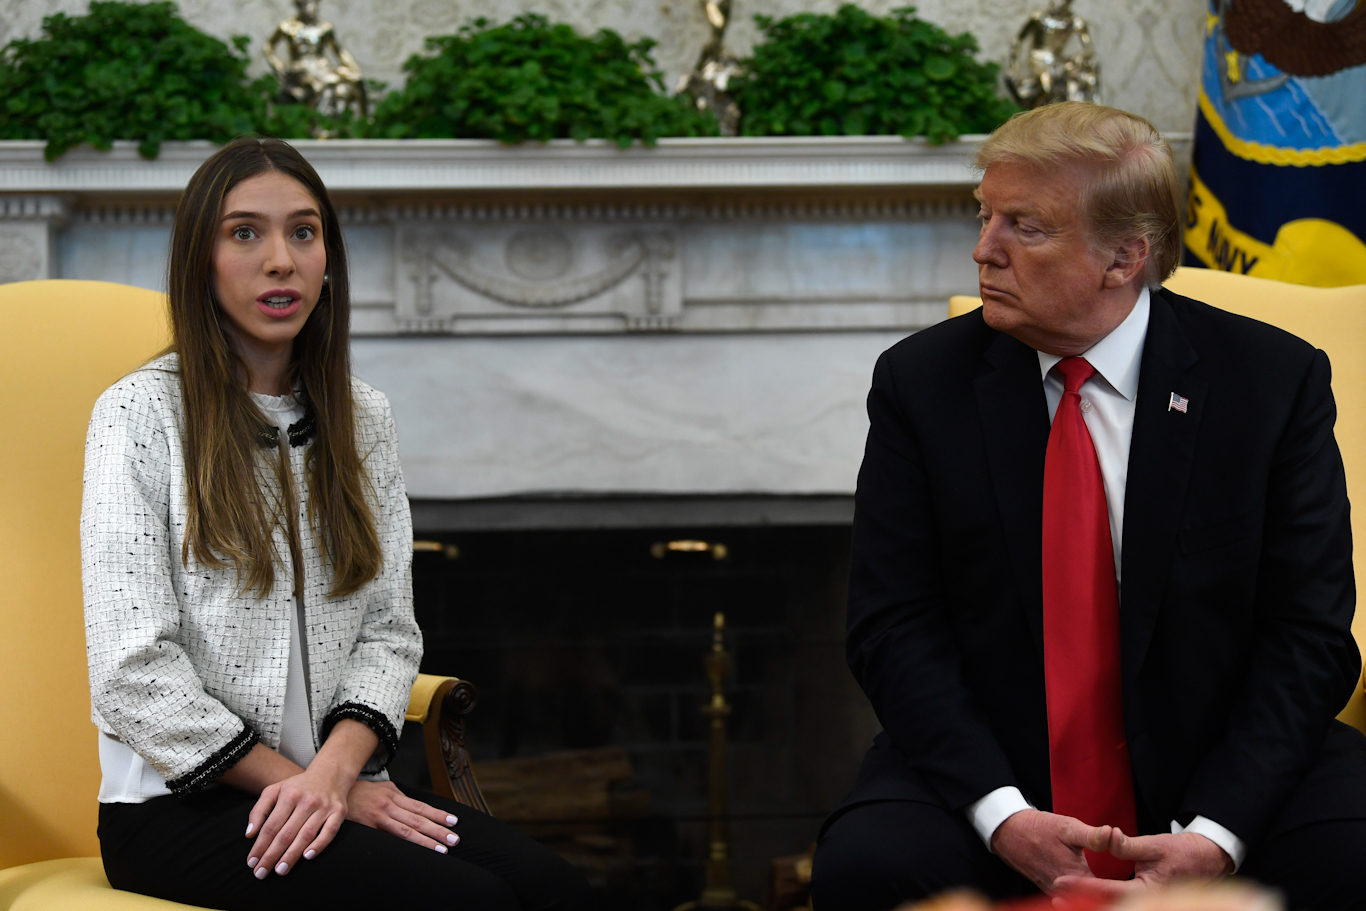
(717, 891)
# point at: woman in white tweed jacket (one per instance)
(246, 546)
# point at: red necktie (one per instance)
(1088, 757)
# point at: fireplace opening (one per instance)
(586, 646)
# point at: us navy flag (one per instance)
(1278, 177)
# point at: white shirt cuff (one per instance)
(987, 814)
(1233, 845)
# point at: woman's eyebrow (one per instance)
(299, 213)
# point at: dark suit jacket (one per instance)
(1236, 595)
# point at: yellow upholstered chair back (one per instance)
(62, 343)
(1333, 319)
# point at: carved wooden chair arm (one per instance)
(440, 705)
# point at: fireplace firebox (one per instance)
(591, 640)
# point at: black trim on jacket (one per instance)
(216, 765)
(372, 718)
(300, 432)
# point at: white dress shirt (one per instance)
(1107, 407)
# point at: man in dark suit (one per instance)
(1101, 592)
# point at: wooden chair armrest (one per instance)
(440, 705)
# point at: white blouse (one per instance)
(296, 735)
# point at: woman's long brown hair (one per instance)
(231, 518)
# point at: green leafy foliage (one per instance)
(138, 71)
(854, 73)
(127, 71)
(529, 79)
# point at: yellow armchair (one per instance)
(1333, 319)
(62, 343)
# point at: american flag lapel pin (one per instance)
(1178, 403)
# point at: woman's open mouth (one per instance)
(280, 303)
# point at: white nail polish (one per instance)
(310, 854)
(261, 872)
(251, 862)
(281, 868)
(251, 827)
(441, 848)
(451, 839)
(451, 820)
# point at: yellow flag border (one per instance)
(1265, 154)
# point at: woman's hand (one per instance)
(297, 817)
(381, 805)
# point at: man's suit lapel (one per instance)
(1014, 414)
(1160, 454)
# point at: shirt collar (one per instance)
(1118, 356)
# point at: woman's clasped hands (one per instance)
(299, 817)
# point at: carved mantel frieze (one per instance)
(536, 276)
(790, 262)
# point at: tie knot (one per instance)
(1075, 371)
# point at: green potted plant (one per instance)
(531, 80)
(125, 71)
(853, 73)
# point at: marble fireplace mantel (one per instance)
(377, 165)
(698, 318)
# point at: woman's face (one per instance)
(268, 263)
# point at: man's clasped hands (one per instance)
(1048, 849)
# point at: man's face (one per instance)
(1040, 280)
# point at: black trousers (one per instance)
(876, 855)
(192, 850)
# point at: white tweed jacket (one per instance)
(185, 670)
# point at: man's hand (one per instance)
(1047, 848)
(1158, 860)
(381, 805)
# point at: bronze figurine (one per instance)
(709, 81)
(311, 76)
(1052, 59)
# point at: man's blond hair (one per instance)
(1132, 191)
